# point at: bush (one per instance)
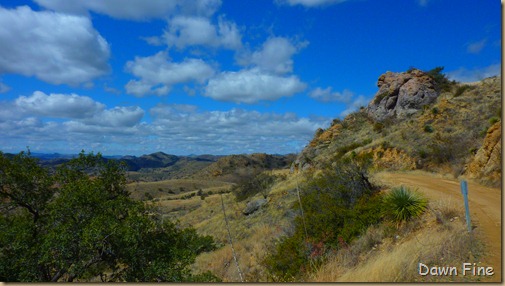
(253, 184)
(493, 120)
(338, 206)
(401, 204)
(428, 128)
(377, 127)
(441, 80)
(461, 89)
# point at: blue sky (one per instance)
(218, 76)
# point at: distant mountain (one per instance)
(231, 168)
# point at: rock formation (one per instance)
(486, 165)
(402, 94)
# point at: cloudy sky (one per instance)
(217, 76)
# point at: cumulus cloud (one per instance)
(275, 55)
(68, 123)
(158, 74)
(311, 3)
(134, 9)
(476, 47)
(76, 108)
(56, 48)
(355, 104)
(58, 105)
(476, 74)
(176, 128)
(183, 31)
(252, 85)
(327, 95)
(119, 116)
(233, 131)
(347, 97)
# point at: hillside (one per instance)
(232, 168)
(417, 121)
(413, 122)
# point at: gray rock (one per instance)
(402, 94)
(253, 206)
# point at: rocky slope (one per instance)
(419, 120)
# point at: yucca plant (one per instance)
(402, 204)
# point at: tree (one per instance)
(78, 223)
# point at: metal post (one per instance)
(464, 191)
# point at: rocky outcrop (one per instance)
(253, 206)
(486, 165)
(392, 159)
(402, 94)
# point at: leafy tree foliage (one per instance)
(78, 223)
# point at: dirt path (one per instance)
(484, 204)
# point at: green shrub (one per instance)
(493, 120)
(441, 80)
(423, 154)
(461, 89)
(428, 128)
(401, 204)
(338, 205)
(253, 184)
(378, 127)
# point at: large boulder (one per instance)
(253, 206)
(402, 94)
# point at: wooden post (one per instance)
(464, 191)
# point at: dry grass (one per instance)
(382, 256)
(252, 235)
(169, 188)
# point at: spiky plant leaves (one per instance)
(402, 204)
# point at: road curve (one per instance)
(484, 203)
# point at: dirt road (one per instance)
(484, 204)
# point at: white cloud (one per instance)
(78, 109)
(347, 97)
(124, 116)
(233, 131)
(311, 3)
(476, 47)
(134, 9)
(252, 85)
(58, 105)
(158, 74)
(178, 129)
(476, 74)
(56, 48)
(327, 95)
(275, 55)
(81, 123)
(355, 104)
(184, 31)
